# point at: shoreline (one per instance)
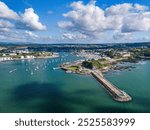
(19, 59)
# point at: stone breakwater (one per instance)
(116, 93)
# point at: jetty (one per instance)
(115, 92)
(55, 68)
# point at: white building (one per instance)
(12, 54)
(30, 57)
(22, 57)
(5, 58)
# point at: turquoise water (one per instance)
(33, 86)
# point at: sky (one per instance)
(73, 21)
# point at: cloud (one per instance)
(4, 30)
(65, 24)
(119, 9)
(30, 21)
(140, 7)
(70, 36)
(31, 34)
(18, 26)
(11, 35)
(5, 24)
(86, 19)
(33, 37)
(20, 36)
(7, 13)
(122, 36)
(83, 21)
(26, 22)
(92, 21)
(136, 22)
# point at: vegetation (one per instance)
(38, 54)
(87, 64)
(113, 53)
(140, 52)
(110, 53)
(73, 68)
(96, 64)
(35, 54)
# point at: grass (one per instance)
(73, 68)
(99, 64)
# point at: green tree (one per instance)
(87, 64)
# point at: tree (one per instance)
(87, 64)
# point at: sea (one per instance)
(40, 86)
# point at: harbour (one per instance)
(49, 90)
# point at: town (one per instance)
(22, 53)
(104, 59)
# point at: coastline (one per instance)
(19, 59)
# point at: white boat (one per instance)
(12, 70)
(31, 73)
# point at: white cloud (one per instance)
(120, 9)
(7, 13)
(5, 27)
(140, 7)
(125, 9)
(5, 24)
(71, 36)
(86, 19)
(92, 21)
(29, 20)
(4, 30)
(136, 22)
(83, 21)
(65, 24)
(21, 36)
(10, 35)
(26, 22)
(122, 36)
(31, 34)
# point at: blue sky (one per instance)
(73, 21)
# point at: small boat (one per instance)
(12, 70)
(31, 73)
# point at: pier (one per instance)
(115, 92)
(55, 68)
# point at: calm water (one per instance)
(33, 86)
